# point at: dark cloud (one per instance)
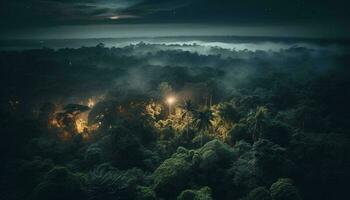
(86, 11)
(60, 12)
(16, 14)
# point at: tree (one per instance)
(211, 87)
(259, 193)
(271, 161)
(226, 116)
(106, 182)
(93, 155)
(256, 121)
(203, 120)
(284, 189)
(58, 184)
(228, 113)
(202, 194)
(189, 109)
(277, 132)
(124, 147)
(238, 132)
(30, 174)
(214, 155)
(173, 174)
(211, 164)
(145, 193)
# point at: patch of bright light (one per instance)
(171, 100)
(114, 17)
(117, 17)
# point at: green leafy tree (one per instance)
(145, 193)
(203, 120)
(228, 113)
(259, 193)
(201, 194)
(123, 147)
(271, 161)
(93, 155)
(239, 132)
(106, 182)
(173, 174)
(284, 189)
(256, 121)
(59, 184)
(189, 109)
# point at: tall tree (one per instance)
(256, 121)
(189, 109)
(203, 120)
(228, 113)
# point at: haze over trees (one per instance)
(158, 121)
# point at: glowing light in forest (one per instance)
(54, 123)
(81, 125)
(91, 103)
(171, 100)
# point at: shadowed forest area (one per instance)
(175, 121)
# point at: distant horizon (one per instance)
(189, 36)
(173, 30)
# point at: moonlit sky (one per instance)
(58, 19)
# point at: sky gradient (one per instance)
(117, 18)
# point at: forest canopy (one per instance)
(175, 121)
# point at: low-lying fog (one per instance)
(78, 73)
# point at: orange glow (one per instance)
(91, 103)
(62, 124)
(54, 123)
(81, 125)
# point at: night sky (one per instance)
(121, 18)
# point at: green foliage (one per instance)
(271, 160)
(93, 155)
(259, 193)
(202, 194)
(31, 172)
(244, 172)
(203, 119)
(260, 164)
(211, 163)
(213, 155)
(329, 152)
(106, 183)
(283, 119)
(201, 139)
(228, 113)
(242, 147)
(284, 189)
(188, 107)
(173, 174)
(277, 132)
(123, 147)
(145, 193)
(239, 132)
(257, 121)
(59, 183)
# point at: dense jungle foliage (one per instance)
(150, 122)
